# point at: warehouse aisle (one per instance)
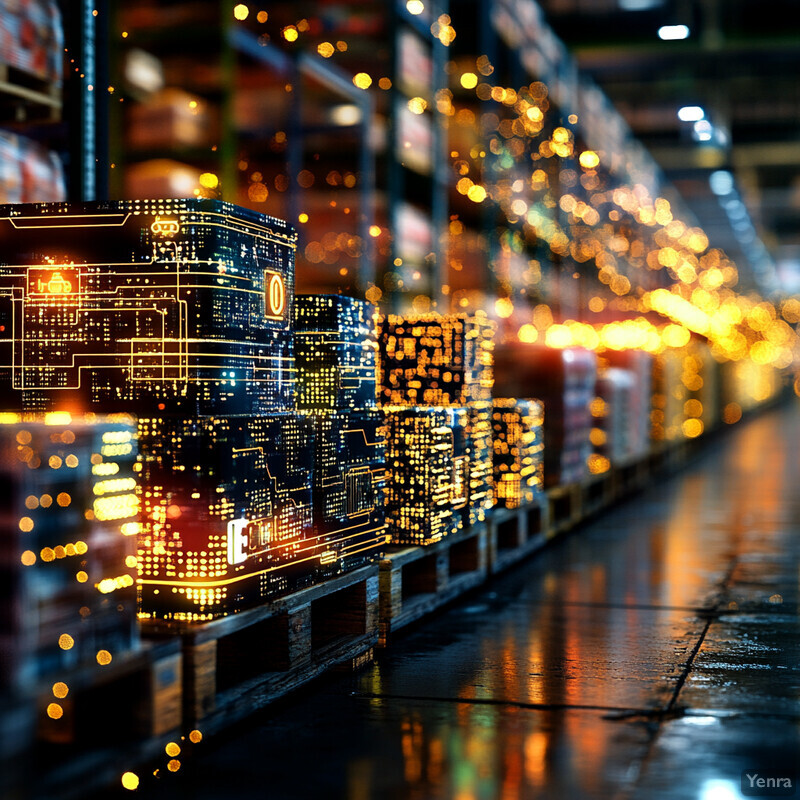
(654, 653)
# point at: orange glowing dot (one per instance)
(174, 765)
(55, 711)
(26, 524)
(326, 49)
(65, 641)
(290, 33)
(469, 80)
(28, 558)
(362, 80)
(71, 461)
(476, 193)
(692, 428)
(81, 577)
(54, 462)
(63, 499)
(172, 749)
(732, 413)
(130, 780)
(262, 16)
(302, 218)
(374, 231)
(60, 690)
(241, 11)
(103, 657)
(195, 736)
(589, 159)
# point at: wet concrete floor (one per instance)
(652, 653)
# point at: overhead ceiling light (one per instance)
(673, 32)
(691, 113)
(703, 130)
(346, 114)
(639, 5)
(721, 182)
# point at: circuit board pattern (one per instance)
(226, 514)
(335, 353)
(180, 306)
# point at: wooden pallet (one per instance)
(141, 694)
(629, 477)
(120, 714)
(564, 508)
(515, 533)
(596, 492)
(414, 581)
(237, 664)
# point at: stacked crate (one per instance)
(517, 450)
(612, 410)
(564, 380)
(68, 547)
(640, 364)
(335, 360)
(669, 396)
(435, 376)
(32, 38)
(181, 312)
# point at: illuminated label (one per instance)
(237, 541)
(55, 283)
(165, 227)
(274, 294)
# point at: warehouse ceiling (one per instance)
(740, 64)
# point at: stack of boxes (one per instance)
(435, 391)
(564, 380)
(669, 396)
(335, 349)
(518, 450)
(29, 173)
(612, 410)
(640, 364)
(68, 525)
(181, 313)
(32, 38)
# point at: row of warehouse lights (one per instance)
(599, 227)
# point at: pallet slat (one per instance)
(239, 663)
